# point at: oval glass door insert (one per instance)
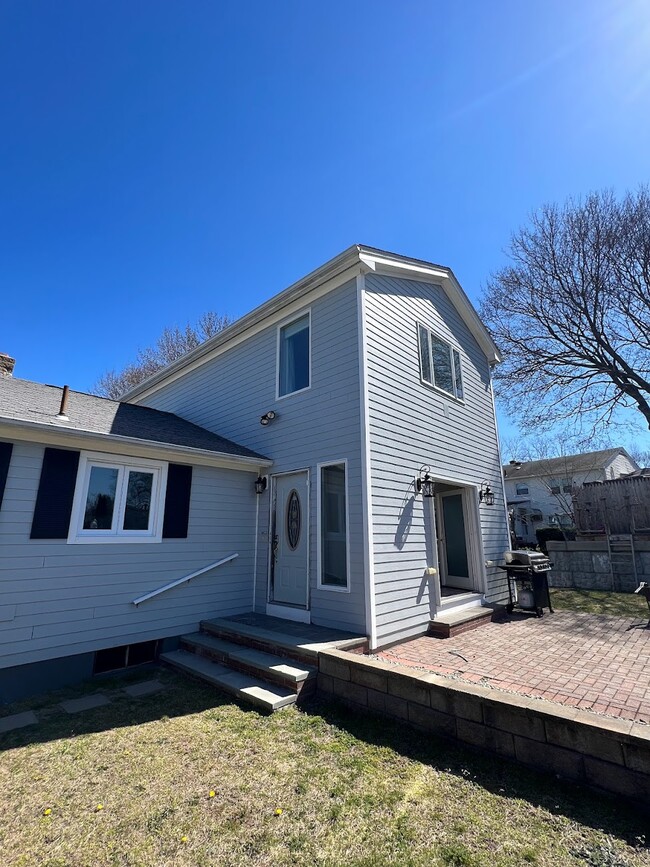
(293, 520)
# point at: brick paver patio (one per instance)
(593, 662)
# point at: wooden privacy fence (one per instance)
(615, 506)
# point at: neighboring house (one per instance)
(344, 392)
(539, 493)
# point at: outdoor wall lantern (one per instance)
(486, 494)
(260, 484)
(267, 417)
(424, 484)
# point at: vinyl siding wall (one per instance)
(413, 425)
(58, 599)
(229, 393)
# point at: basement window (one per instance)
(126, 656)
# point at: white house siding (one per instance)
(58, 599)
(229, 393)
(412, 425)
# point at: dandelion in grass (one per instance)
(278, 811)
(47, 811)
(212, 793)
(99, 808)
(183, 839)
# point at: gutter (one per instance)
(43, 433)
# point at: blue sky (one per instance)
(160, 158)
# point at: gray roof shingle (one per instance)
(562, 465)
(22, 400)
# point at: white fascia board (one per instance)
(119, 445)
(329, 276)
(415, 270)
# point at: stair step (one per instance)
(242, 686)
(267, 666)
(291, 643)
(449, 624)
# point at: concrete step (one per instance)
(447, 624)
(297, 642)
(266, 666)
(242, 686)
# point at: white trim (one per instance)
(115, 445)
(319, 519)
(279, 328)
(366, 478)
(473, 535)
(501, 473)
(87, 460)
(324, 279)
(272, 510)
(286, 612)
(277, 308)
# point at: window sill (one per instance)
(333, 588)
(293, 393)
(113, 540)
(437, 390)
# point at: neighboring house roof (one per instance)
(559, 467)
(334, 272)
(641, 473)
(25, 403)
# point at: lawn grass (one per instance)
(600, 602)
(353, 791)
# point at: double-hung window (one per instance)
(294, 356)
(439, 363)
(118, 500)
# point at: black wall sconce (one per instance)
(486, 494)
(267, 417)
(424, 484)
(260, 485)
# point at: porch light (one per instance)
(424, 484)
(260, 484)
(267, 417)
(486, 494)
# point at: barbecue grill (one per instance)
(527, 573)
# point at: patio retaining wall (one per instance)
(607, 754)
(584, 565)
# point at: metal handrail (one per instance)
(184, 580)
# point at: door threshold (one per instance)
(459, 601)
(288, 612)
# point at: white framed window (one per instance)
(118, 499)
(439, 363)
(294, 356)
(522, 489)
(333, 527)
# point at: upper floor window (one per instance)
(439, 363)
(294, 356)
(561, 485)
(522, 489)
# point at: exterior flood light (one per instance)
(260, 484)
(486, 494)
(267, 417)
(424, 484)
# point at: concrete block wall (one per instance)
(585, 566)
(610, 755)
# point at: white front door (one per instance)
(452, 541)
(290, 550)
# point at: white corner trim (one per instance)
(366, 480)
(319, 536)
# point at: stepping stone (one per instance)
(147, 687)
(88, 702)
(17, 721)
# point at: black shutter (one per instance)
(55, 494)
(5, 457)
(177, 501)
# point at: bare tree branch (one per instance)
(171, 345)
(572, 313)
